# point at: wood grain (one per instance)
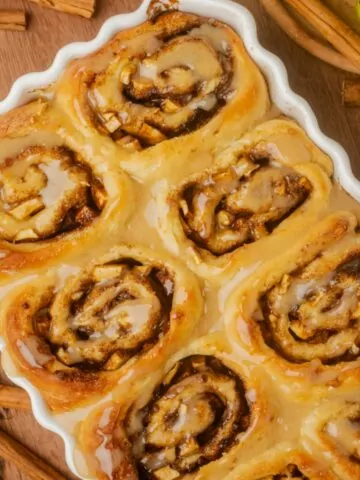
(17, 454)
(84, 8)
(22, 52)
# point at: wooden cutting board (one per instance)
(22, 52)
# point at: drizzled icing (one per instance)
(224, 210)
(80, 329)
(192, 419)
(346, 433)
(106, 315)
(174, 83)
(313, 314)
(45, 192)
(333, 432)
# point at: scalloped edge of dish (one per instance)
(290, 103)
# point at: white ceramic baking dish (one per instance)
(24, 89)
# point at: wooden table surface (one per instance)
(22, 52)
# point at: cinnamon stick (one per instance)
(334, 30)
(14, 397)
(351, 93)
(282, 16)
(27, 462)
(12, 20)
(84, 8)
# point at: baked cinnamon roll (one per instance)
(332, 432)
(191, 422)
(246, 367)
(177, 75)
(125, 311)
(261, 190)
(284, 462)
(53, 198)
(300, 314)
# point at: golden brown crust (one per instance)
(265, 187)
(332, 433)
(53, 196)
(124, 312)
(194, 419)
(249, 370)
(17, 121)
(284, 462)
(180, 77)
(303, 313)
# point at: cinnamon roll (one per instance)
(190, 422)
(228, 347)
(300, 314)
(53, 198)
(332, 432)
(127, 310)
(284, 462)
(177, 75)
(272, 182)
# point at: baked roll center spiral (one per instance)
(107, 316)
(222, 211)
(315, 313)
(246, 368)
(193, 419)
(333, 432)
(344, 432)
(338, 433)
(170, 88)
(45, 192)
(81, 332)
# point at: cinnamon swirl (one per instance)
(178, 75)
(261, 189)
(301, 312)
(54, 199)
(332, 432)
(190, 422)
(125, 311)
(201, 319)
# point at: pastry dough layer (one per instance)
(179, 270)
(180, 77)
(76, 340)
(194, 418)
(266, 185)
(301, 312)
(56, 199)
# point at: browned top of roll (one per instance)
(47, 192)
(314, 312)
(169, 84)
(223, 210)
(193, 418)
